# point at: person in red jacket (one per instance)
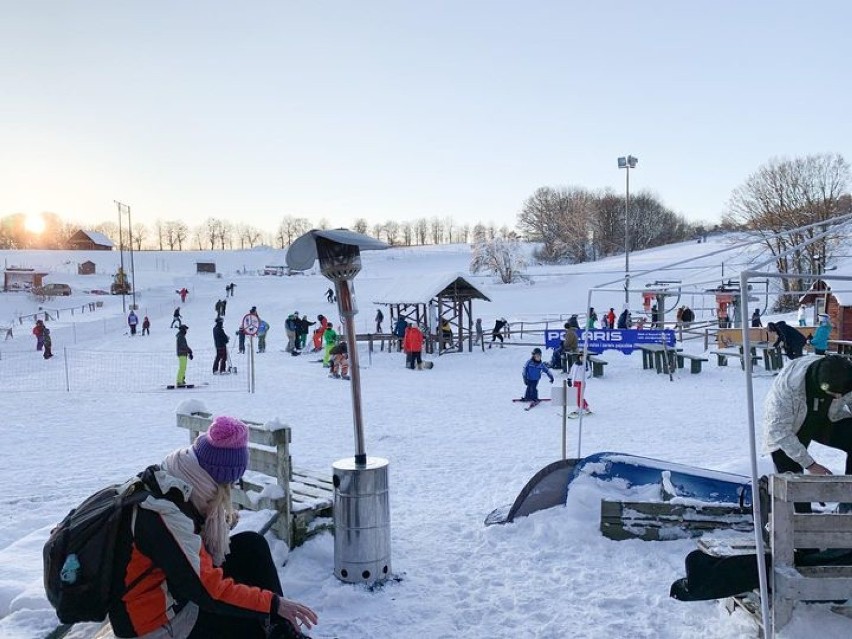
(412, 346)
(183, 576)
(323, 324)
(38, 331)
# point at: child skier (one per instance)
(576, 375)
(339, 361)
(329, 338)
(532, 373)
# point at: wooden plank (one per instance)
(815, 488)
(790, 584)
(312, 475)
(654, 521)
(823, 522)
(311, 491)
(822, 539)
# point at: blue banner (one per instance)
(617, 339)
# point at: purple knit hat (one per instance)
(223, 450)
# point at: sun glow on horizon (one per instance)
(34, 223)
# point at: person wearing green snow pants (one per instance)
(183, 351)
(329, 338)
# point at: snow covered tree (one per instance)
(499, 256)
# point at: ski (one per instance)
(182, 386)
(575, 414)
(533, 404)
(522, 399)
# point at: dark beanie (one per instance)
(223, 450)
(834, 373)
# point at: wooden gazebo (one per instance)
(431, 302)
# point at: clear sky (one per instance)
(398, 110)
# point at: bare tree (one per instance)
(464, 233)
(160, 230)
(421, 230)
(225, 234)
(392, 232)
(251, 236)
(449, 227)
(181, 234)
(211, 230)
(436, 225)
(140, 232)
(500, 257)
(199, 234)
(784, 195)
(322, 224)
(360, 225)
(561, 220)
(290, 228)
(407, 230)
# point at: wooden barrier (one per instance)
(296, 496)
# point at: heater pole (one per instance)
(346, 307)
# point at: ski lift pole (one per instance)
(564, 419)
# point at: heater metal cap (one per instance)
(303, 251)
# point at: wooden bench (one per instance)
(296, 496)
(695, 362)
(597, 365)
(722, 358)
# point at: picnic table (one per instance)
(773, 359)
(653, 357)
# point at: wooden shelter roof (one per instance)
(422, 291)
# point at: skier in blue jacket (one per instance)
(532, 373)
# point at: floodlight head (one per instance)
(338, 250)
(632, 161)
(622, 163)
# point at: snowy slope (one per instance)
(457, 448)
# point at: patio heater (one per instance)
(361, 499)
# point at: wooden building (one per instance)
(431, 302)
(205, 267)
(89, 241)
(86, 268)
(22, 279)
(836, 303)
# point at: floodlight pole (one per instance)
(121, 254)
(132, 269)
(628, 162)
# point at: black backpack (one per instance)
(79, 555)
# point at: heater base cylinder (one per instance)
(362, 552)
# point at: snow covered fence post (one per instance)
(361, 495)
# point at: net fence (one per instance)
(86, 370)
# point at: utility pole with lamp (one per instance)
(628, 162)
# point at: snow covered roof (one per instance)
(98, 238)
(424, 290)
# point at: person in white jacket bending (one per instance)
(810, 400)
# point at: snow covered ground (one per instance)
(458, 447)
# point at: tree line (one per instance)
(571, 223)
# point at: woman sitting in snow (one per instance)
(189, 578)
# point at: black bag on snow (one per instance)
(79, 555)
